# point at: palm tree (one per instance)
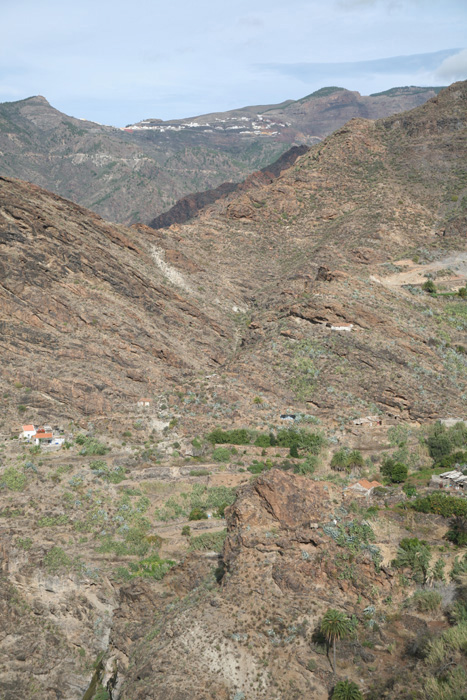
(347, 690)
(335, 625)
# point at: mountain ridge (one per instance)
(132, 175)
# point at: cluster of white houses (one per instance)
(41, 436)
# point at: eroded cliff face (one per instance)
(246, 626)
(54, 627)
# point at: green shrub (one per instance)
(213, 541)
(458, 613)
(186, 531)
(13, 479)
(459, 567)
(91, 446)
(457, 532)
(346, 690)
(221, 454)
(339, 460)
(441, 504)
(220, 510)
(448, 686)
(199, 472)
(262, 440)
(429, 286)
(442, 441)
(425, 601)
(111, 476)
(346, 460)
(258, 467)
(399, 473)
(396, 472)
(239, 436)
(294, 451)
(414, 554)
(438, 571)
(410, 491)
(302, 439)
(308, 465)
(152, 567)
(197, 514)
(457, 459)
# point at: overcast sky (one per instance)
(118, 62)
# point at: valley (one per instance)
(261, 409)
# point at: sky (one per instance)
(118, 62)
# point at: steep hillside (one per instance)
(254, 286)
(134, 174)
(189, 206)
(193, 547)
(372, 194)
(93, 315)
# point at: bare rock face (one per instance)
(97, 298)
(281, 571)
(279, 499)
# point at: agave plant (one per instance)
(347, 690)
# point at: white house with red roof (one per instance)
(42, 438)
(28, 432)
(144, 403)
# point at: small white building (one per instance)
(28, 432)
(347, 328)
(144, 403)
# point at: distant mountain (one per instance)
(135, 174)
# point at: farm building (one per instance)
(452, 479)
(365, 487)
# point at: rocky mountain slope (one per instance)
(134, 174)
(252, 288)
(93, 314)
(299, 295)
(316, 248)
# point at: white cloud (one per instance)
(454, 67)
